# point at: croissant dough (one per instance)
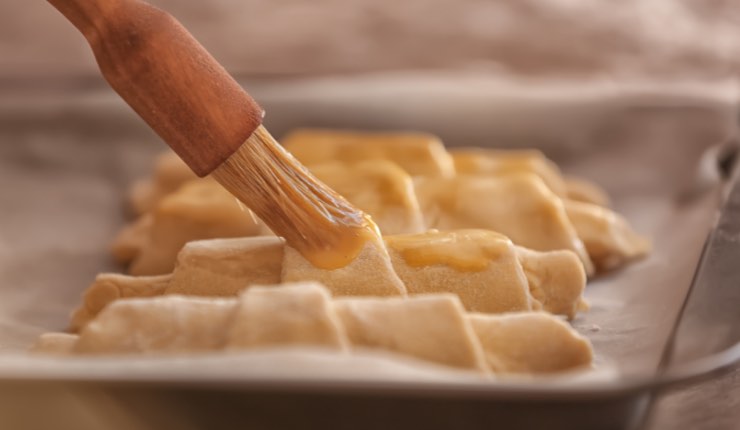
(429, 327)
(369, 274)
(519, 206)
(497, 285)
(508, 281)
(417, 153)
(224, 267)
(109, 287)
(55, 344)
(170, 172)
(297, 314)
(372, 170)
(532, 342)
(496, 163)
(556, 280)
(200, 209)
(377, 187)
(610, 241)
(162, 324)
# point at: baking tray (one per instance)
(665, 155)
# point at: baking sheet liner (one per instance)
(66, 161)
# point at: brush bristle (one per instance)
(312, 217)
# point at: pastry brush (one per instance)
(200, 111)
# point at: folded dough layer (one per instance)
(480, 266)
(556, 280)
(164, 324)
(379, 188)
(170, 172)
(109, 287)
(531, 342)
(419, 154)
(369, 274)
(225, 267)
(519, 206)
(494, 162)
(199, 209)
(292, 314)
(373, 170)
(607, 236)
(430, 327)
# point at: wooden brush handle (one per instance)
(168, 78)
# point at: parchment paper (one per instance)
(67, 159)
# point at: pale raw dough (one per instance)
(132, 238)
(608, 237)
(434, 327)
(556, 279)
(499, 285)
(109, 287)
(369, 274)
(378, 187)
(430, 327)
(292, 314)
(170, 172)
(532, 342)
(419, 154)
(159, 324)
(516, 279)
(519, 205)
(494, 162)
(360, 165)
(200, 209)
(225, 267)
(55, 344)
(216, 267)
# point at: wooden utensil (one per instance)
(200, 111)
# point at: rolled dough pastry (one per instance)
(431, 327)
(164, 324)
(419, 154)
(556, 280)
(608, 237)
(532, 342)
(360, 165)
(378, 187)
(225, 267)
(109, 287)
(170, 172)
(488, 272)
(493, 162)
(199, 209)
(55, 344)
(369, 274)
(519, 206)
(297, 314)
(480, 266)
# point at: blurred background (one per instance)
(629, 39)
(497, 64)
